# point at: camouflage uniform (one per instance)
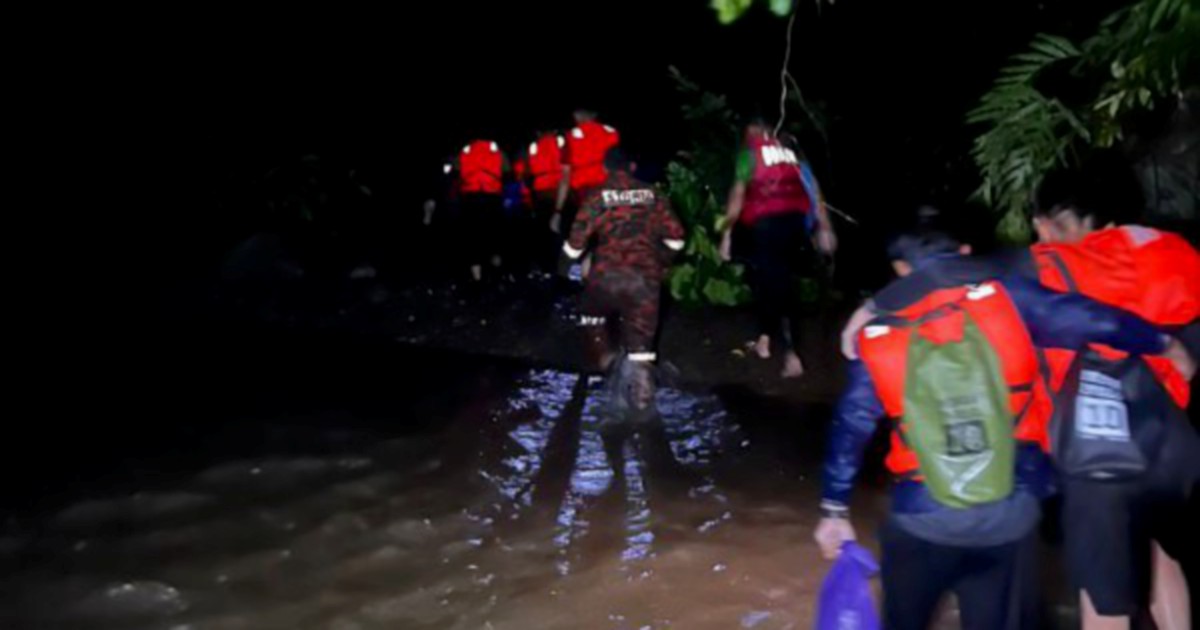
(634, 233)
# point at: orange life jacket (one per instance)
(777, 187)
(545, 162)
(1153, 274)
(884, 350)
(586, 146)
(481, 168)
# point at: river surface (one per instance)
(333, 490)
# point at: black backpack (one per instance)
(1111, 415)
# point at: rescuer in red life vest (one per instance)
(1156, 275)
(777, 200)
(583, 164)
(481, 168)
(544, 172)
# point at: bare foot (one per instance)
(793, 367)
(762, 347)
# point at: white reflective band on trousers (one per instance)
(571, 251)
(642, 357)
(674, 244)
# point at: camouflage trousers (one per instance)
(622, 304)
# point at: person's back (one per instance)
(1129, 473)
(584, 152)
(481, 169)
(629, 222)
(1151, 273)
(950, 360)
(774, 179)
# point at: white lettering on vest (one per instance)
(773, 155)
(618, 198)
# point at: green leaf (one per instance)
(720, 292)
(681, 279)
(782, 8)
(728, 11)
(1160, 11)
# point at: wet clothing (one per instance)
(1052, 319)
(775, 180)
(779, 248)
(631, 224)
(628, 297)
(481, 168)
(992, 582)
(584, 152)
(634, 233)
(481, 224)
(545, 163)
(776, 221)
(1149, 272)
(1122, 518)
(1156, 275)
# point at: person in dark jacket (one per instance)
(929, 548)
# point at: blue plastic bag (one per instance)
(846, 602)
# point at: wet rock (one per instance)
(134, 599)
(261, 476)
(420, 607)
(755, 617)
(412, 532)
(363, 272)
(138, 507)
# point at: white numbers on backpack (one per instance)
(1100, 411)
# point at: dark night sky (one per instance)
(169, 112)
(213, 95)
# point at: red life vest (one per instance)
(884, 350)
(586, 146)
(545, 162)
(1154, 274)
(481, 168)
(777, 187)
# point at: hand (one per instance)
(831, 534)
(726, 250)
(430, 207)
(556, 223)
(826, 240)
(1178, 355)
(850, 333)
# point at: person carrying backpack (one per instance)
(1129, 457)
(950, 358)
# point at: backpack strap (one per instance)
(1063, 271)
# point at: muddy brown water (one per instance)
(508, 509)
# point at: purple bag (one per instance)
(846, 602)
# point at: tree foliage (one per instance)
(1138, 60)
(693, 182)
(728, 11)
